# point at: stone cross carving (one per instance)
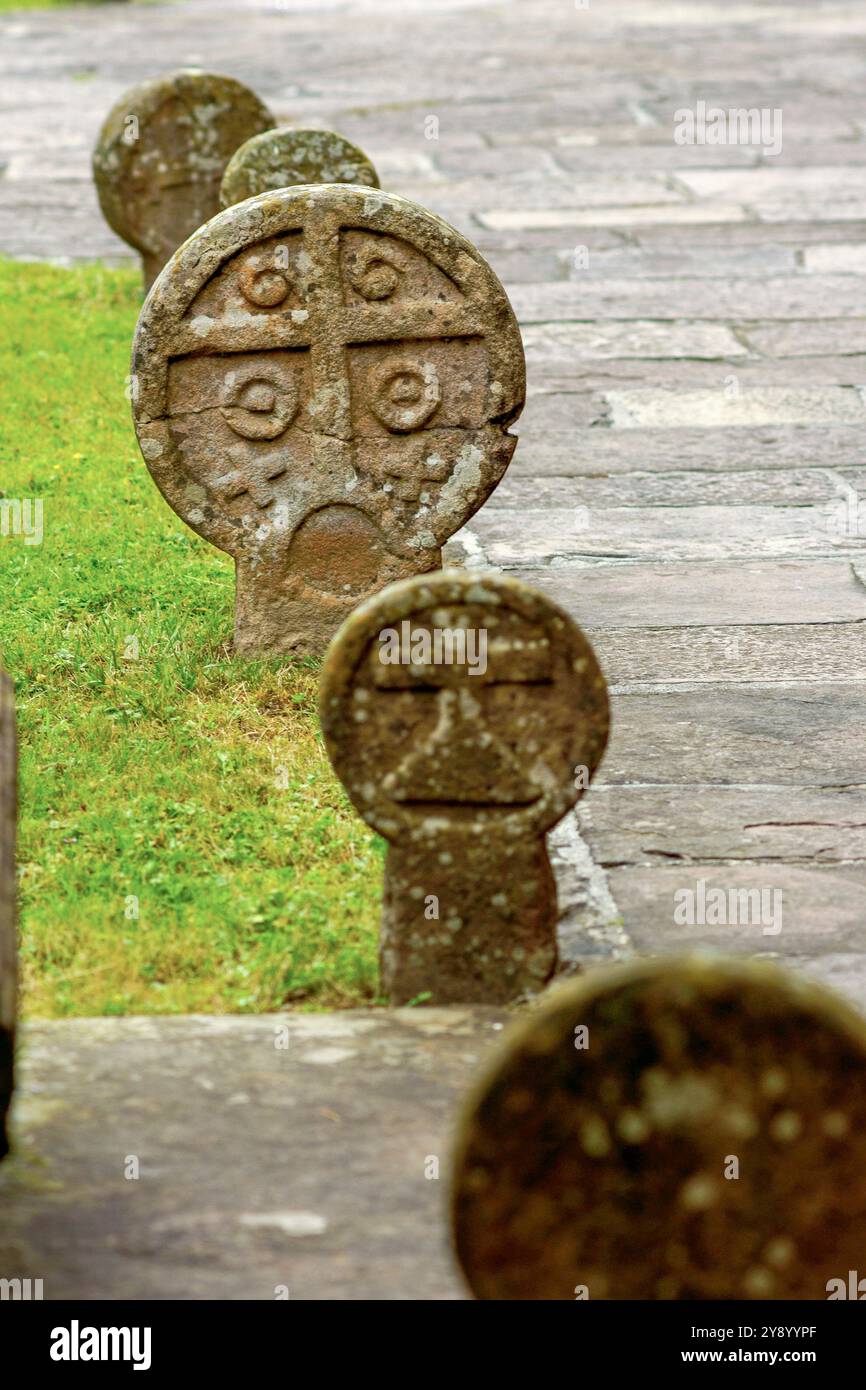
(323, 383)
(161, 154)
(281, 158)
(455, 709)
(690, 1128)
(8, 940)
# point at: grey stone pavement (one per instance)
(689, 483)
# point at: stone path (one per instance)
(308, 1167)
(688, 484)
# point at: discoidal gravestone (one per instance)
(8, 940)
(674, 1129)
(324, 379)
(281, 158)
(455, 709)
(162, 152)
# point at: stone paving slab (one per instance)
(714, 595)
(675, 655)
(679, 533)
(781, 487)
(739, 735)
(734, 391)
(607, 452)
(651, 825)
(259, 1166)
(776, 297)
(811, 922)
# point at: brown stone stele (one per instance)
(703, 1138)
(463, 773)
(293, 155)
(324, 378)
(8, 938)
(162, 152)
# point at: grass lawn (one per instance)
(183, 785)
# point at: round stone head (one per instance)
(686, 1128)
(282, 158)
(162, 152)
(325, 377)
(462, 702)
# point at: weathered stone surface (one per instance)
(549, 344)
(784, 195)
(776, 297)
(325, 378)
(778, 487)
(307, 1151)
(161, 154)
(689, 534)
(797, 734)
(807, 337)
(767, 384)
(782, 910)
(8, 938)
(578, 452)
(677, 215)
(484, 764)
(680, 1130)
(835, 259)
(721, 593)
(280, 158)
(732, 654)
(664, 825)
(654, 409)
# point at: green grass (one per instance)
(157, 778)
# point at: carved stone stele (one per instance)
(455, 709)
(292, 155)
(686, 1128)
(324, 380)
(161, 154)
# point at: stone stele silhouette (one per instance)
(689, 1128)
(323, 380)
(8, 938)
(161, 154)
(463, 766)
(290, 155)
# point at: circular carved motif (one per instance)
(497, 748)
(404, 393)
(257, 407)
(373, 273)
(263, 287)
